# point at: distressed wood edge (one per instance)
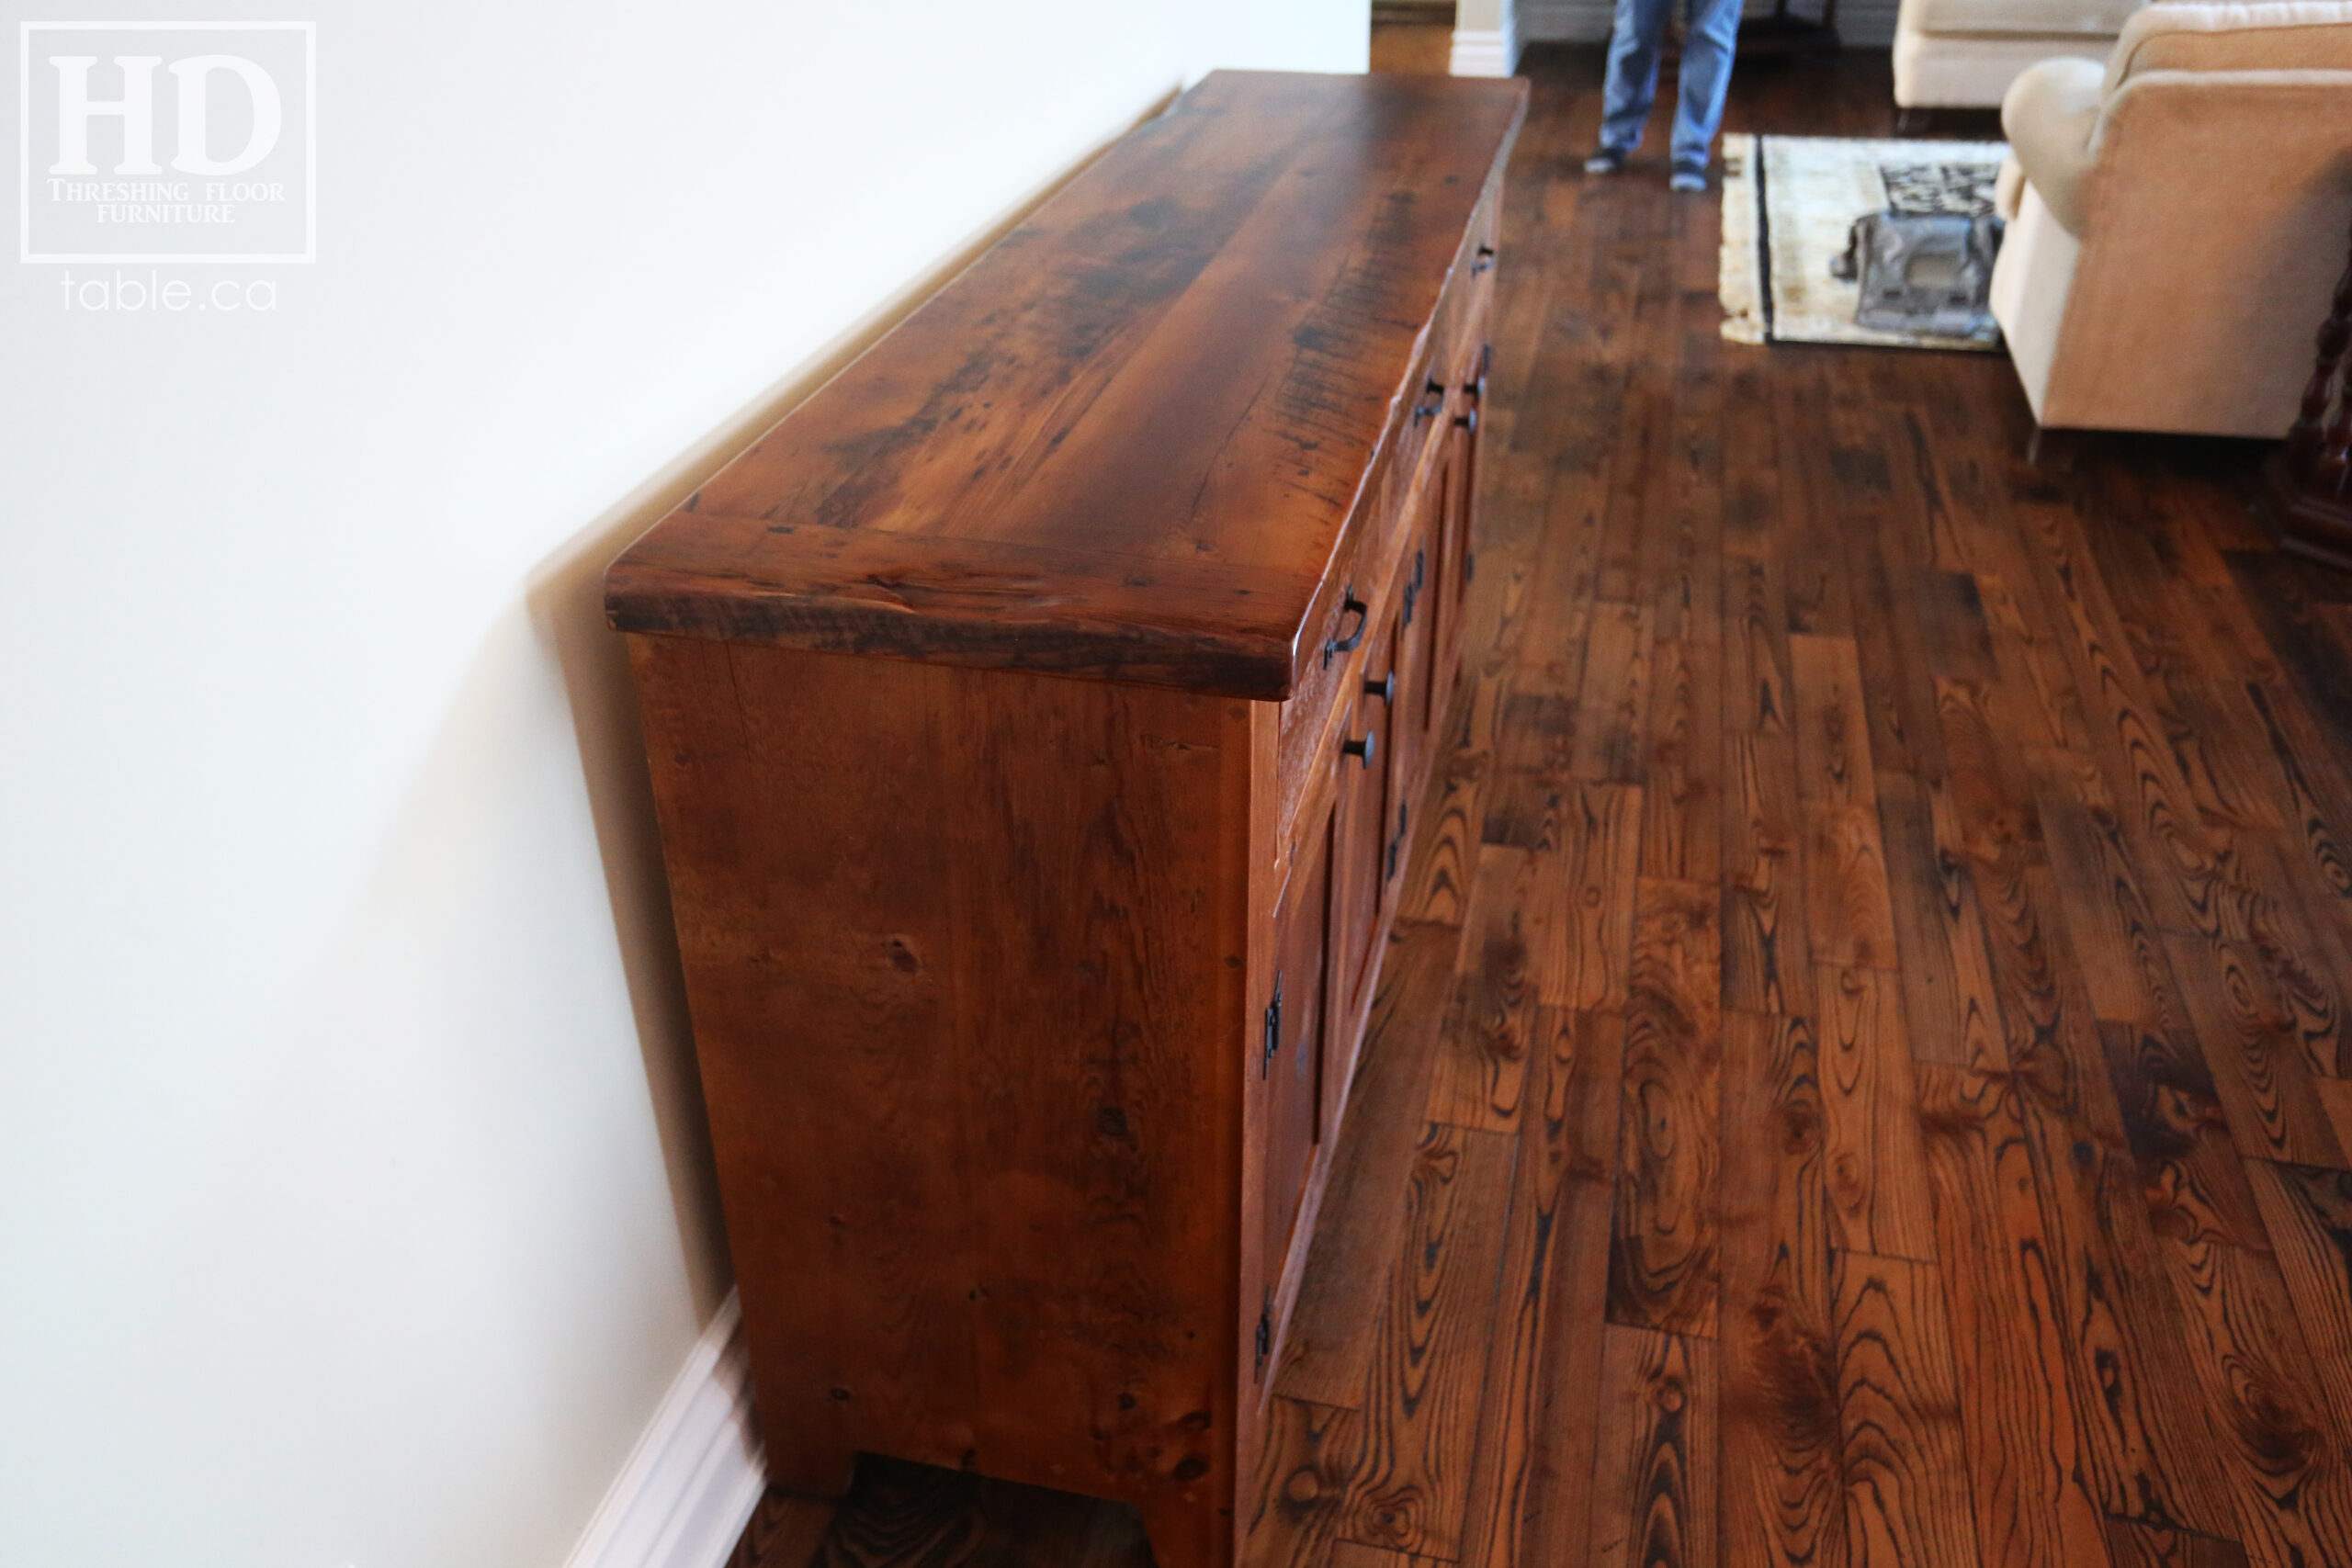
(969, 603)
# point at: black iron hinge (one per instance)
(1273, 1041)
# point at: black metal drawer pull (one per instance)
(1348, 606)
(1366, 748)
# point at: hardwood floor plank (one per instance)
(1422, 1388)
(2306, 958)
(1306, 1463)
(2048, 1027)
(2216, 744)
(1530, 792)
(1908, 1502)
(1538, 730)
(2129, 1387)
(1680, 571)
(785, 1531)
(2307, 1219)
(2260, 1074)
(2028, 1456)
(2335, 1096)
(1682, 794)
(1992, 810)
(1644, 422)
(1849, 911)
(2286, 598)
(1329, 1341)
(1831, 475)
(2186, 856)
(1756, 660)
(1586, 966)
(1556, 1524)
(1445, 849)
(2319, 804)
(1953, 623)
(1552, 1138)
(1874, 1166)
(1751, 469)
(898, 1512)
(2111, 928)
(1518, 897)
(2179, 645)
(1949, 1002)
(1888, 563)
(1833, 728)
(1662, 1261)
(2281, 1453)
(2190, 1173)
(2029, 666)
(1355, 1554)
(1654, 1482)
(1613, 704)
(1782, 1459)
(2151, 1455)
(2135, 1545)
(1768, 955)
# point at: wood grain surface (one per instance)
(1136, 437)
(1874, 1016)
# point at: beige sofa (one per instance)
(1964, 53)
(2178, 218)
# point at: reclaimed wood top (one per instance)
(1126, 443)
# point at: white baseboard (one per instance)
(1487, 51)
(689, 1488)
(1480, 51)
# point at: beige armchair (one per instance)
(1964, 53)
(2178, 220)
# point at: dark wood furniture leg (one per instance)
(2304, 496)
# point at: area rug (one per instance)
(1789, 202)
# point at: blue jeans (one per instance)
(1634, 45)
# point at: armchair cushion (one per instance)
(2009, 189)
(2101, 19)
(2049, 116)
(2276, 35)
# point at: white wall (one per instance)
(352, 1204)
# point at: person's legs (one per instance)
(1706, 76)
(1634, 41)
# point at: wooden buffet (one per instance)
(1037, 715)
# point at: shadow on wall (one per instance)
(565, 599)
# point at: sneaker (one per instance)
(1688, 180)
(1608, 161)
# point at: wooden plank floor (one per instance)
(1864, 1075)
